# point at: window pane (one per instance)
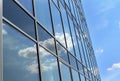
(82, 78)
(62, 52)
(75, 75)
(57, 24)
(45, 39)
(49, 66)
(19, 56)
(28, 7)
(43, 14)
(18, 17)
(72, 61)
(65, 72)
(80, 67)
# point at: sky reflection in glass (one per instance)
(20, 56)
(49, 66)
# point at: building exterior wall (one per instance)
(47, 40)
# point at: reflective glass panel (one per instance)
(56, 2)
(49, 67)
(45, 39)
(71, 6)
(67, 2)
(18, 17)
(80, 67)
(57, 24)
(72, 61)
(75, 75)
(62, 52)
(19, 56)
(81, 50)
(82, 78)
(67, 30)
(43, 13)
(28, 7)
(65, 72)
(86, 72)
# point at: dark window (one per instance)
(43, 13)
(45, 39)
(19, 56)
(65, 72)
(28, 7)
(49, 66)
(18, 17)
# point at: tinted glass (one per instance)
(57, 24)
(65, 72)
(49, 67)
(75, 75)
(28, 7)
(62, 52)
(45, 39)
(18, 17)
(19, 56)
(43, 13)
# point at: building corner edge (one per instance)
(1, 49)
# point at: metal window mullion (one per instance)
(49, 2)
(37, 46)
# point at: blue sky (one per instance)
(103, 19)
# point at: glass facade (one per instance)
(46, 40)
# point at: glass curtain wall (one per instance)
(45, 40)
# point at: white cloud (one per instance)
(69, 41)
(33, 68)
(29, 52)
(48, 65)
(4, 32)
(114, 66)
(60, 37)
(99, 50)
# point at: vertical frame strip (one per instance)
(1, 65)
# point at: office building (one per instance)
(45, 40)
